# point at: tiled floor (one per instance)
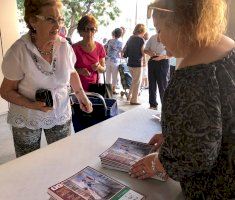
(6, 141)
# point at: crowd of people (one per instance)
(147, 61)
(196, 146)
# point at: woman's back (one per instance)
(133, 50)
(200, 128)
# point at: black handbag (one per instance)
(102, 109)
(103, 89)
(44, 95)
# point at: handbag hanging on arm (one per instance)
(103, 89)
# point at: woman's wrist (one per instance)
(154, 163)
(79, 91)
(158, 168)
(100, 67)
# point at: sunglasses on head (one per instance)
(152, 8)
(92, 29)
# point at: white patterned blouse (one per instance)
(23, 63)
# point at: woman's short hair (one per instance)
(85, 21)
(33, 7)
(139, 29)
(117, 33)
(198, 22)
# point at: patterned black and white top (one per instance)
(198, 124)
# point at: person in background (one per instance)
(89, 53)
(123, 32)
(114, 48)
(63, 33)
(134, 51)
(118, 85)
(41, 59)
(158, 68)
(197, 144)
(145, 83)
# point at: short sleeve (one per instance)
(142, 42)
(119, 46)
(102, 53)
(148, 44)
(72, 58)
(11, 67)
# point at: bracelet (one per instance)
(78, 91)
(161, 175)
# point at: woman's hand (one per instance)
(156, 141)
(160, 57)
(95, 66)
(39, 105)
(84, 102)
(148, 167)
(9, 91)
(83, 71)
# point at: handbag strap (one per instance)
(104, 77)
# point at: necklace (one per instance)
(45, 53)
(47, 73)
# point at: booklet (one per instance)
(89, 184)
(124, 153)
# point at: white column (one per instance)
(9, 34)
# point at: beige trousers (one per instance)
(136, 73)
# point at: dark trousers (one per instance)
(157, 75)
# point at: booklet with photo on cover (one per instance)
(124, 153)
(89, 184)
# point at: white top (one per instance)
(29, 177)
(155, 46)
(18, 64)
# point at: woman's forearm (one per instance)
(14, 97)
(76, 83)
(101, 67)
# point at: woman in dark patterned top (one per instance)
(197, 144)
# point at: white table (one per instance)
(28, 177)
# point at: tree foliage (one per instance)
(103, 10)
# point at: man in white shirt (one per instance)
(158, 68)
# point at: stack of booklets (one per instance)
(89, 184)
(124, 153)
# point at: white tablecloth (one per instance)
(28, 177)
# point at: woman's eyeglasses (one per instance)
(92, 29)
(52, 21)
